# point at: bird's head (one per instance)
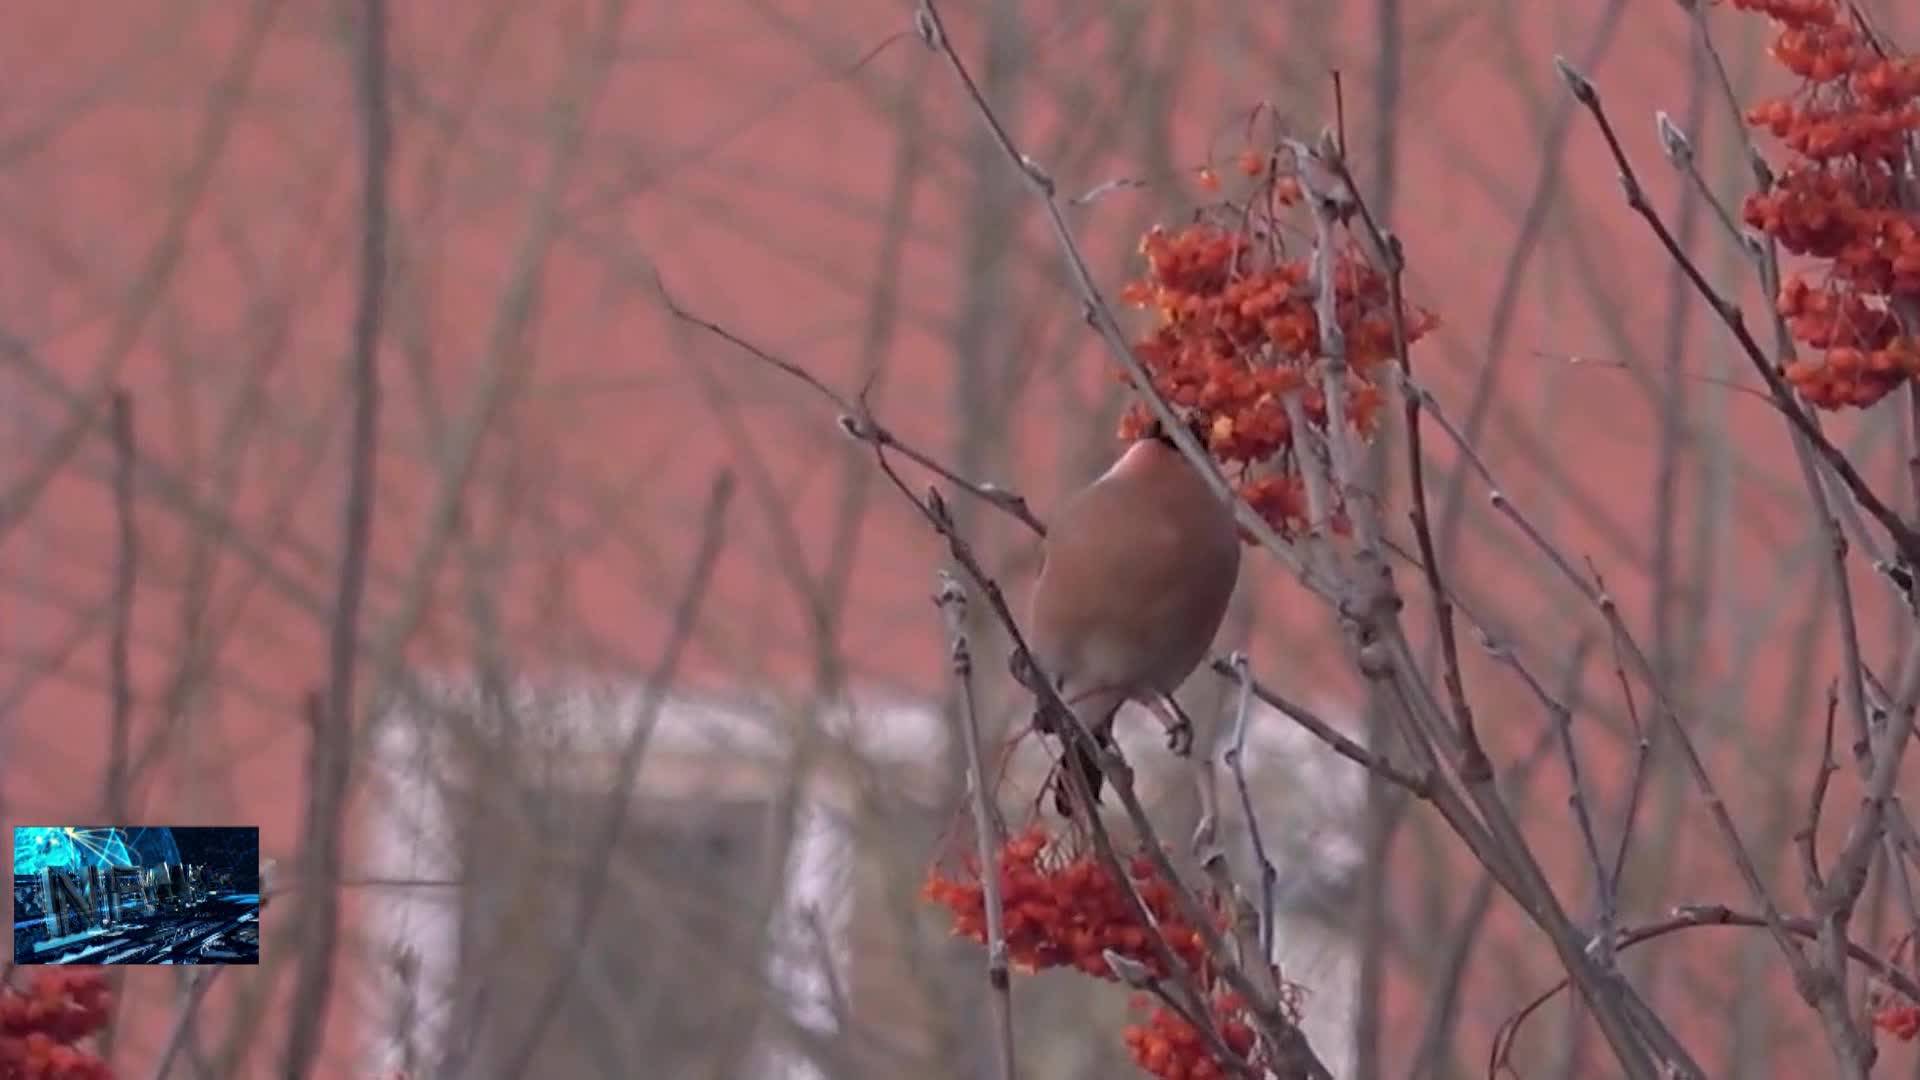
(1191, 419)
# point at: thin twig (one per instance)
(952, 601)
(1606, 886)
(1834, 905)
(118, 780)
(1236, 764)
(1642, 755)
(1493, 644)
(1474, 765)
(1808, 838)
(199, 981)
(126, 578)
(332, 760)
(1319, 728)
(1443, 989)
(1118, 183)
(856, 418)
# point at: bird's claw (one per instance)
(1180, 737)
(1203, 833)
(1174, 719)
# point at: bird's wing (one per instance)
(1110, 584)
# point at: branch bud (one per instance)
(1674, 141)
(1132, 972)
(1579, 85)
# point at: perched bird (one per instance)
(1138, 570)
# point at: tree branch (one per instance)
(332, 734)
(952, 601)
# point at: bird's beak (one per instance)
(1189, 419)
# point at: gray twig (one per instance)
(856, 418)
(117, 794)
(332, 748)
(952, 601)
(125, 579)
(1236, 764)
(199, 981)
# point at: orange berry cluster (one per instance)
(1062, 909)
(1863, 352)
(1166, 1046)
(41, 1027)
(1066, 910)
(1838, 201)
(1236, 331)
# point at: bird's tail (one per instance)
(1078, 758)
(1096, 714)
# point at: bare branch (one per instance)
(1903, 535)
(1236, 764)
(856, 419)
(126, 578)
(199, 980)
(952, 601)
(118, 781)
(332, 760)
(1387, 249)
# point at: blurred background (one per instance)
(644, 783)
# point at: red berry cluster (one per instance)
(1065, 910)
(1900, 1021)
(1864, 353)
(40, 1029)
(1839, 201)
(1235, 331)
(1061, 908)
(1892, 1011)
(1166, 1046)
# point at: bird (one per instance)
(1137, 571)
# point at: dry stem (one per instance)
(952, 601)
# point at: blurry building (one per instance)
(745, 923)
